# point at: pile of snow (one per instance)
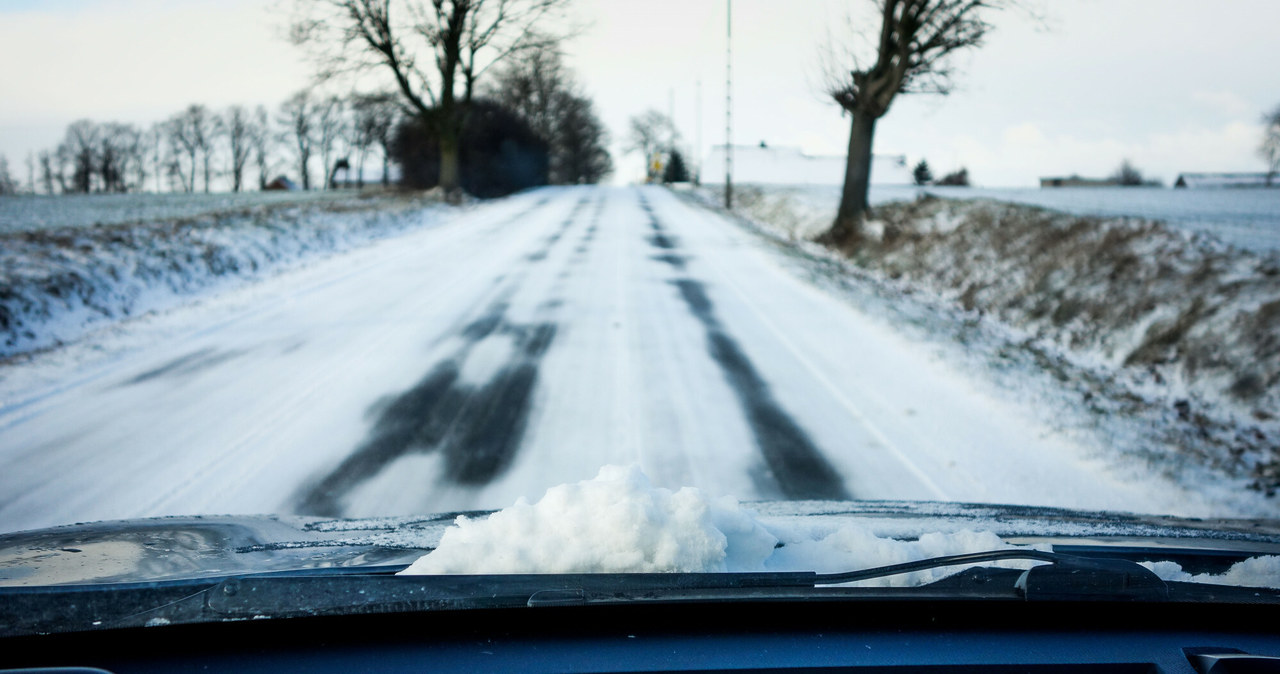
(615, 523)
(57, 283)
(619, 522)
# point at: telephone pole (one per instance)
(728, 104)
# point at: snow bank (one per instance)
(619, 522)
(1179, 317)
(58, 283)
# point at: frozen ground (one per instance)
(529, 341)
(20, 213)
(1245, 218)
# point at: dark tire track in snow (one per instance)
(477, 427)
(795, 463)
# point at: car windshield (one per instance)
(647, 278)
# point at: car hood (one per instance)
(173, 548)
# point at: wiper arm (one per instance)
(1064, 577)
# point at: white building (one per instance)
(768, 165)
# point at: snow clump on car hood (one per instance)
(620, 523)
(616, 523)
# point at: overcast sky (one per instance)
(1173, 85)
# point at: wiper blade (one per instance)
(1064, 577)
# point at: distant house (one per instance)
(350, 177)
(1223, 180)
(281, 183)
(1077, 181)
(780, 165)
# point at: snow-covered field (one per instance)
(19, 213)
(526, 342)
(59, 282)
(1245, 218)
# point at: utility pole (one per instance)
(728, 104)
(697, 149)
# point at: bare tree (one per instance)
(31, 172)
(331, 131)
(1127, 175)
(582, 143)
(260, 138)
(454, 39)
(297, 117)
(368, 117)
(650, 134)
(1269, 150)
(119, 151)
(192, 131)
(80, 147)
(153, 142)
(542, 92)
(236, 127)
(7, 183)
(911, 52)
(47, 179)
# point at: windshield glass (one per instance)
(652, 277)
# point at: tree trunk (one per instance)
(847, 227)
(449, 165)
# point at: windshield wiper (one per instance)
(1064, 577)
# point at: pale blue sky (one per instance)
(1174, 85)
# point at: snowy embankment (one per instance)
(1172, 319)
(58, 283)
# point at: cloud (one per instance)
(1227, 104)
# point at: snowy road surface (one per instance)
(519, 345)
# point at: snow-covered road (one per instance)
(520, 345)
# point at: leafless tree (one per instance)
(47, 179)
(119, 154)
(650, 133)
(1127, 175)
(331, 133)
(434, 51)
(582, 143)
(155, 145)
(261, 140)
(373, 118)
(192, 132)
(910, 54)
(31, 172)
(542, 92)
(7, 183)
(1269, 150)
(80, 146)
(236, 127)
(297, 116)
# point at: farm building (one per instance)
(1224, 180)
(1077, 181)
